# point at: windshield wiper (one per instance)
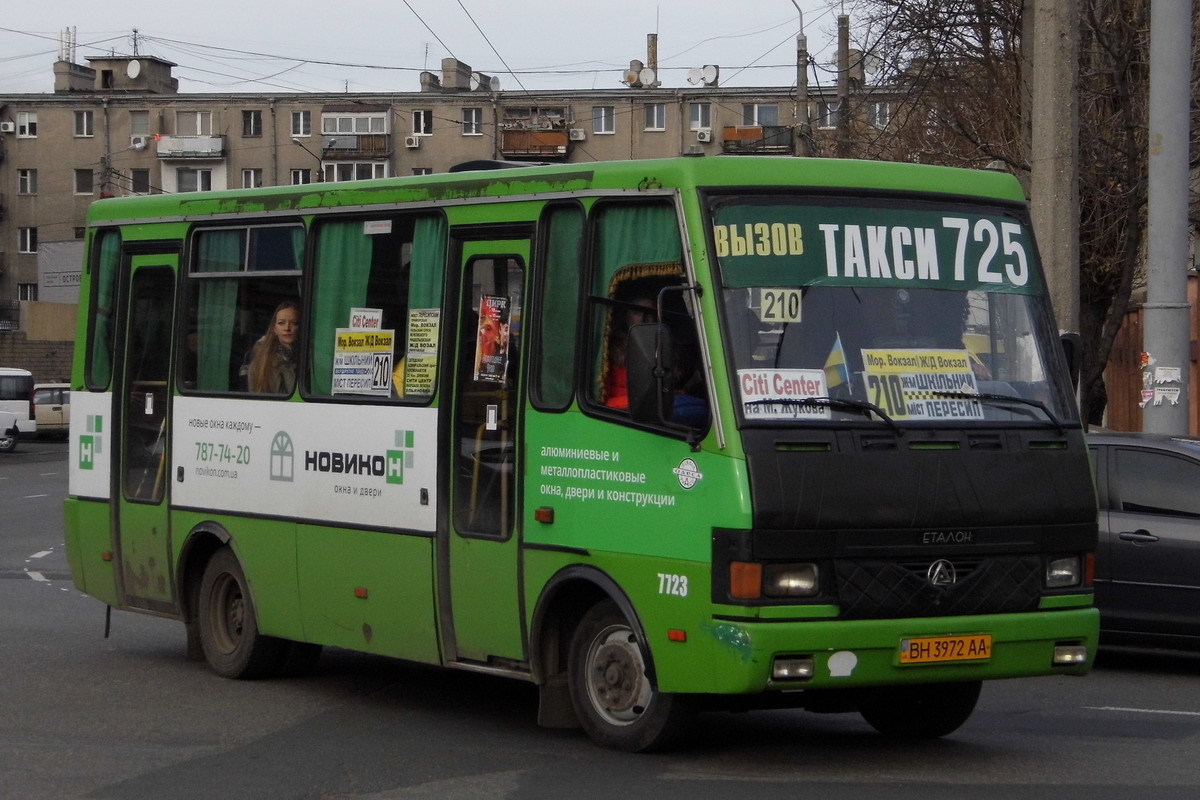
(838, 403)
(1005, 398)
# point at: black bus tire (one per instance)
(923, 711)
(614, 699)
(229, 633)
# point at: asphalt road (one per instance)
(84, 716)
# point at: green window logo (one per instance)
(401, 458)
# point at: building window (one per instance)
(472, 122)
(301, 123)
(355, 171)
(27, 181)
(252, 124)
(879, 114)
(656, 116)
(83, 123)
(84, 181)
(139, 123)
(27, 124)
(700, 116)
(193, 123)
(252, 178)
(301, 177)
(604, 119)
(27, 291)
(354, 123)
(193, 180)
(26, 240)
(827, 115)
(422, 170)
(422, 122)
(760, 114)
(139, 181)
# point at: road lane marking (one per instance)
(32, 496)
(41, 554)
(37, 576)
(1144, 710)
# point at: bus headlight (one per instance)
(790, 580)
(1063, 572)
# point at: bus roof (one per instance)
(681, 172)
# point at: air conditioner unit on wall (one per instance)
(578, 134)
(8, 127)
(412, 142)
(139, 142)
(704, 135)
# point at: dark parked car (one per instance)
(1148, 556)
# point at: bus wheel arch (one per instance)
(201, 542)
(228, 622)
(579, 605)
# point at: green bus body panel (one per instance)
(616, 488)
(89, 536)
(395, 618)
(628, 175)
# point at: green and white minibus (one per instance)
(657, 436)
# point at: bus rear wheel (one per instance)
(924, 711)
(229, 633)
(614, 699)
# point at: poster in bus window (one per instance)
(491, 347)
(924, 384)
(362, 362)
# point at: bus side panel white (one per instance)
(92, 446)
(353, 465)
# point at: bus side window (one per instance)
(557, 279)
(384, 275)
(238, 277)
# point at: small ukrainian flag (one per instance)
(835, 364)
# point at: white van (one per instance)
(16, 396)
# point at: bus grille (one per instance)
(869, 589)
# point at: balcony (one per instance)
(208, 147)
(348, 146)
(523, 143)
(757, 140)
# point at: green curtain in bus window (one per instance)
(343, 268)
(217, 251)
(635, 234)
(105, 278)
(428, 263)
(560, 294)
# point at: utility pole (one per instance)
(843, 87)
(1054, 150)
(803, 127)
(1167, 337)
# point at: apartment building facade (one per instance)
(120, 127)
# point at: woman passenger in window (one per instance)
(273, 360)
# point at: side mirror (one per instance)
(651, 372)
(1072, 345)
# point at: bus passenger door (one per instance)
(484, 536)
(142, 535)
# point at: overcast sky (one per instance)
(368, 46)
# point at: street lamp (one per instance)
(320, 158)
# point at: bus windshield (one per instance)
(840, 309)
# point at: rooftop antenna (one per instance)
(135, 41)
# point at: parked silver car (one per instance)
(1148, 555)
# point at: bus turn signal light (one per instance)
(745, 580)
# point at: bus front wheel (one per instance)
(924, 711)
(614, 699)
(229, 633)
